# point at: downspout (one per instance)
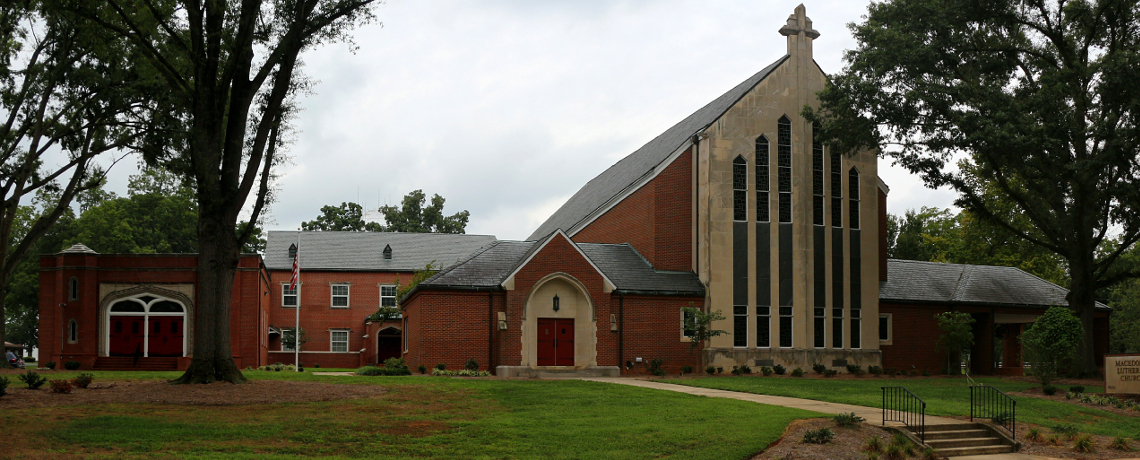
(621, 333)
(491, 333)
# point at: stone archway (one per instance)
(388, 343)
(140, 292)
(575, 316)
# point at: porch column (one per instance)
(1011, 347)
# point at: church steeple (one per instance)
(799, 33)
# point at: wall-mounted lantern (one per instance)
(502, 320)
(555, 302)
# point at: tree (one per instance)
(225, 78)
(156, 216)
(1036, 101)
(349, 217)
(289, 340)
(60, 108)
(1051, 344)
(699, 328)
(1124, 326)
(412, 216)
(957, 336)
(389, 313)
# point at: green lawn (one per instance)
(418, 417)
(943, 396)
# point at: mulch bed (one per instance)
(847, 445)
(160, 392)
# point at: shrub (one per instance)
(368, 370)
(395, 363)
(30, 359)
(744, 369)
(50, 365)
(471, 364)
(1121, 443)
(893, 452)
(71, 365)
(3, 386)
(317, 365)
(929, 454)
(32, 379)
(423, 369)
(797, 372)
(820, 436)
(1034, 434)
(60, 386)
(1084, 443)
(710, 370)
(441, 366)
(766, 370)
(848, 420)
(818, 368)
(829, 373)
(1068, 430)
(925, 373)
(82, 380)
(872, 456)
(1054, 440)
(460, 373)
(875, 370)
(1049, 390)
(1077, 389)
(655, 367)
(686, 369)
(855, 369)
(780, 369)
(874, 444)
(904, 444)
(373, 371)
(1051, 343)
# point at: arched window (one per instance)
(763, 169)
(784, 167)
(816, 177)
(73, 289)
(72, 332)
(739, 189)
(853, 197)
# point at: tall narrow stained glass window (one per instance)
(784, 167)
(785, 327)
(853, 196)
(763, 170)
(836, 191)
(819, 326)
(740, 326)
(763, 327)
(739, 189)
(816, 177)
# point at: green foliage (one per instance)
(402, 290)
(928, 453)
(159, 215)
(32, 379)
(1034, 435)
(906, 447)
(411, 216)
(71, 365)
(441, 366)
(471, 364)
(50, 365)
(82, 380)
(957, 336)
(1077, 389)
(1084, 443)
(698, 326)
(855, 369)
(710, 370)
(348, 217)
(1121, 443)
(780, 369)
(818, 368)
(686, 369)
(460, 373)
(873, 445)
(386, 371)
(655, 367)
(289, 339)
(1051, 343)
(894, 452)
(1049, 390)
(875, 370)
(3, 385)
(395, 363)
(1124, 323)
(61, 386)
(820, 436)
(766, 370)
(828, 373)
(422, 369)
(797, 372)
(1068, 430)
(849, 420)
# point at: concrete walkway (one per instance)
(873, 415)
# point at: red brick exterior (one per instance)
(451, 326)
(248, 325)
(319, 318)
(656, 219)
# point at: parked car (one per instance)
(14, 360)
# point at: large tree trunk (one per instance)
(218, 254)
(3, 321)
(1082, 300)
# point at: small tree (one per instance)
(289, 341)
(1051, 344)
(699, 329)
(957, 335)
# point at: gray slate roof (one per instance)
(620, 263)
(363, 251)
(933, 282)
(642, 162)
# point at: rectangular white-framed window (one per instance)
(289, 296)
(338, 340)
(286, 332)
(686, 321)
(388, 296)
(885, 336)
(339, 295)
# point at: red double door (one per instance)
(129, 332)
(555, 342)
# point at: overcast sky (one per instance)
(508, 107)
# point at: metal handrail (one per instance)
(900, 405)
(989, 402)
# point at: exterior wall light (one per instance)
(555, 302)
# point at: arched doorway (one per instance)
(388, 344)
(559, 327)
(146, 326)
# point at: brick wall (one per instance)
(450, 327)
(914, 338)
(656, 219)
(652, 329)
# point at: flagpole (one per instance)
(297, 312)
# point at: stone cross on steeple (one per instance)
(799, 32)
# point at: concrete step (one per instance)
(963, 442)
(931, 434)
(964, 451)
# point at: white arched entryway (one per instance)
(562, 337)
(145, 325)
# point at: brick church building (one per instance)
(734, 209)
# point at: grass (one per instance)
(943, 396)
(417, 417)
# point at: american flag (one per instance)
(296, 270)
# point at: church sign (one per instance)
(1122, 374)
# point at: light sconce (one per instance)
(502, 321)
(555, 302)
(613, 322)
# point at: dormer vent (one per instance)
(292, 251)
(387, 252)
